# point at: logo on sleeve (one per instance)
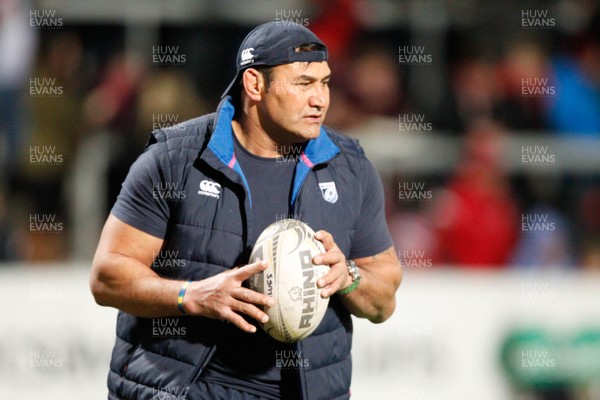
(209, 188)
(329, 191)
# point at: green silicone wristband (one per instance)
(350, 288)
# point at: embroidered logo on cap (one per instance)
(247, 56)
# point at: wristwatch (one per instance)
(355, 274)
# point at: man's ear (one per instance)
(253, 83)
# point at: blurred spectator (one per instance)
(589, 210)
(575, 109)
(476, 218)
(14, 242)
(414, 235)
(590, 257)
(166, 97)
(56, 125)
(122, 109)
(369, 96)
(589, 221)
(110, 105)
(17, 49)
(546, 239)
(524, 64)
(485, 88)
(337, 26)
(4, 229)
(342, 114)
(474, 93)
(110, 109)
(374, 82)
(547, 245)
(56, 119)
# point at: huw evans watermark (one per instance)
(297, 86)
(45, 223)
(413, 122)
(290, 359)
(168, 328)
(537, 19)
(537, 359)
(537, 222)
(44, 87)
(167, 393)
(45, 155)
(45, 358)
(40, 290)
(168, 260)
(537, 291)
(415, 328)
(166, 121)
(537, 155)
(413, 191)
(537, 87)
(168, 191)
(45, 19)
(289, 154)
(168, 55)
(413, 393)
(281, 217)
(290, 17)
(414, 259)
(414, 55)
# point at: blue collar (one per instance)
(317, 150)
(221, 144)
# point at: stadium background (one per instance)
(483, 118)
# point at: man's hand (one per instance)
(121, 277)
(338, 277)
(374, 297)
(223, 297)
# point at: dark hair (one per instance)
(308, 47)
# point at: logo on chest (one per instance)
(329, 191)
(210, 189)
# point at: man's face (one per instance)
(293, 108)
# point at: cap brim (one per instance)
(231, 85)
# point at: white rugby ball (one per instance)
(288, 246)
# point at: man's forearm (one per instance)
(129, 285)
(375, 296)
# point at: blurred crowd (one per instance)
(111, 96)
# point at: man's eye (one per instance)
(304, 83)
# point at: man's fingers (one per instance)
(331, 276)
(334, 280)
(330, 258)
(238, 321)
(250, 310)
(247, 271)
(335, 277)
(326, 238)
(250, 296)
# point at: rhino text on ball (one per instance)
(308, 295)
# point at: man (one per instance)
(202, 193)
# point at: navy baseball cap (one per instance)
(272, 44)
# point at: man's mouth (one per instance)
(314, 117)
